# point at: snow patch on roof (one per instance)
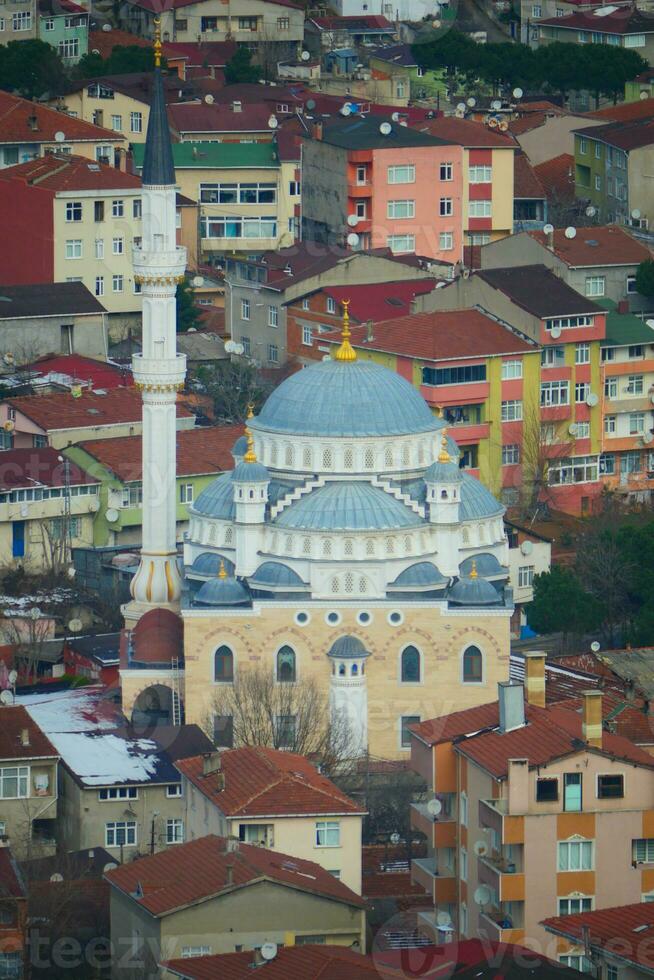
(99, 759)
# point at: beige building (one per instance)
(50, 318)
(617, 942)
(28, 785)
(277, 800)
(536, 812)
(216, 895)
(115, 102)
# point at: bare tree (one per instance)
(232, 386)
(541, 447)
(28, 636)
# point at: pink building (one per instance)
(373, 183)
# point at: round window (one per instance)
(395, 618)
(302, 618)
(333, 618)
(363, 618)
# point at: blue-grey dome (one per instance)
(452, 447)
(250, 473)
(274, 575)
(440, 472)
(339, 399)
(470, 591)
(348, 647)
(208, 563)
(347, 506)
(477, 501)
(222, 592)
(485, 565)
(240, 447)
(422, 575)
(217, 500)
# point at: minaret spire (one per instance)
(159, 371)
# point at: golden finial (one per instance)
(345, 352)
(444, 456)
(250, 456)
(250, 414)
(473, 570)
(157, 42)
(221, 571)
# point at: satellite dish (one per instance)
(647, 438)
(311, 104)
(6, 697)
(385, 129)
(198, 281)
(434, 807)
(230, 347)
(305, 55)
(555, 333)
(60, 136)
(573, 428)
(481, 848)
(239, 349)
(461, 107)
(106, 28)
(570, 232)
(472, 102)
(595, 646)
(503, 125)
(517, 93)
(650, 324)
(209, 99)
(353, 220)
(109, 866)
(112, 515)
(75, 625)
(592, 400)
(591, 211)
(644, 95)
(493, 122)
(435, 24)
(273, 122)
(496, 104)
(548, 229)
(395, 117)
(526, 547)
(346, 109)
(269, 951)
(444, 920)
(635, 214)
(9, 426)
(395, 837)
(13, 676)
(353, 239)
(482, 895)
(56, 877)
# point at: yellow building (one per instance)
(120, 103)
(278, 24)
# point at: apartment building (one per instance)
(14, 939)
(530, 554)
(18, 21)
(43, 318)
(65, 26)
(536, 812)
(371, 183)
(120, 103)
(625, 27)
(69, 219)
(612, 167)
(613, 943)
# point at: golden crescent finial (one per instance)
(345, 352)
(157, 42)
(473, 570)
(444, 456)
(221, 571)
(250, 414)
(250, 456)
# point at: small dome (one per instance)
(444, 472)
(222, 592)
(485, 565)
(250, 473)
(208, 563)
(274, 575)
(158, 637)
(240, 447)
(217, 500)
(356, 398)
(347, 506)
(348, 648)
(424, 574)
(476, 501)
(470, 590)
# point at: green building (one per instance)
(64, 25)
(613, 167)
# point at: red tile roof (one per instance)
(197, 870)
(290, 963)
(15, 720)
(626, 111)
(38, 467)
(609, 245)
(382, 301)
(214, 54)
(439, 335)
(83, 369)
(466, 722)
(200, 117)
(355, 21)
(465, 132)
(155, 5)
(61, 410)
(65, 172)
(625, 135)
(266, 782)
(557, 176)
(627, 931)
(199, 450)
(105, 41)
(526, 184)
(15, 126)
(625, 20)
(11, 880)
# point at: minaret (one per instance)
(159, 370)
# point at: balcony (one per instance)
(494, 815)
(427, 924)
(504, 875)
(500, 925)
(424, 871)
(358, 191)
(440, 831)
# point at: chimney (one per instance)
(237, 106)
(550, 240)
(518, 785)
(25, 736)
(232, 844)
(211, 763)
(229, 874)
(592, 719)
(369, 330)
(623, 306)
(317, 131)
(511, 697)
(535, 677)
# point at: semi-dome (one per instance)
(485, 564)
(217, 500)
(347, 506)
(348, 648)
(424, 574)
(218, 591)
(346, 399)
(208, 563)
(274, 575)
(471, 590)
(476, 501)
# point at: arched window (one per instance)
(288, 456)
(370, 546)
(326, 547)
(223, 665)
(390, 546)
(465, 537)
(306, 546)
(228, 535)
(363, 585)
(307, 456)
(348, 547)
(369, 458)
(407, 544)
(286, 665)
(354, 670)
(410, 665)
(406, 459)
(327, 459)
(273, 454)
(288, 543)
(472, 665)
(341, 670)
(348, 458)
(443, 494)
(388, 456)
(349, 582)
(212, 534)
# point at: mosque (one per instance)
(346, 546)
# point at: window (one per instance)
(223, 731)
(598, 182)
(246, 345)
(582, 391)
(328, 833)
(636, 423)
(466, 374)
(463, 864)
(244, 23)
(480, 175)
(572, 791)
(511, 370)
(634, 40)
(98, 210)
(188, 951)
(14, 782)
(22, 21)
(568, 322)
(118, 793)
(74, 248)
(573, 906)
(401, 209)
(525, 576)
(117, 283)
(445, 207)
(307, 336)
(611, 388)
(410, 665)
(273, 316)
(137, 208)
(480, 209)
(573, 469)
(479, 238)
(634, 384)
(463, 810)
(547, 790)
(577, 962)
(360, 209)
(401, 243)
(136, 122)
(223, 665)
(631, 284)
(175, 789)
(642, 850)
(610, 787)
(246, 193)
(552, 356)
(575, 855)
(118, 246)
(186, 493)
(582, 353)
(228, 226)
(402, 175)
(405, 735)
(446, 171)
(286, 670)
(48, 24)
(245, 309)
(554, 393)
(74, 211)
(595, 285)
(305, 304)
(331, 304)
(294, 188)
(174, 831)
(511, 411)
(118, 832)
(583, 430)
(273, 353)
(536, 10)
(612, 971)
(99, 248)
(361, 176)
(472, 666)
(118, 209)
(446, 241)
(117, 123)
(510, 454)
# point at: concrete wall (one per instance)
(324, 192)
(555, 136)
(32, 337)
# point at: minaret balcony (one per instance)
(158, 264)
(167, 372)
